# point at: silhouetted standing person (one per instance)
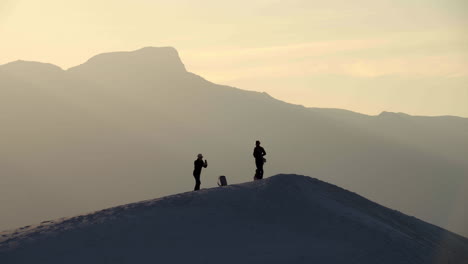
(258, 154)
(198, 165)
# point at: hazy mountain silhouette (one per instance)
(126, 126)
(283, 219)
(146, 64)
(31, 69)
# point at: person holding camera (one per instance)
(198, 165)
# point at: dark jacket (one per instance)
(198, 165)
(258, 153)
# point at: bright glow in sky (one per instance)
(367, 56)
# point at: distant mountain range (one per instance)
(126, 126)
(282, 219)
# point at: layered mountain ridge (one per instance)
(127, 126)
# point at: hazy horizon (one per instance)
(364, 56)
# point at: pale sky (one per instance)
(367, 55)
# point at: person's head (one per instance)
(200, 156)
(257, 143)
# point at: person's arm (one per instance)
(263, 152)
(206, 164)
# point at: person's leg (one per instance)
(197, 182)
(259, 171)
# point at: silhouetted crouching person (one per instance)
(258, 154)
(198, 165)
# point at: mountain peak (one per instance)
(30, 69)
(150, 49)
(160, 61)
(386, 114)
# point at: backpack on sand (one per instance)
(222, 181)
